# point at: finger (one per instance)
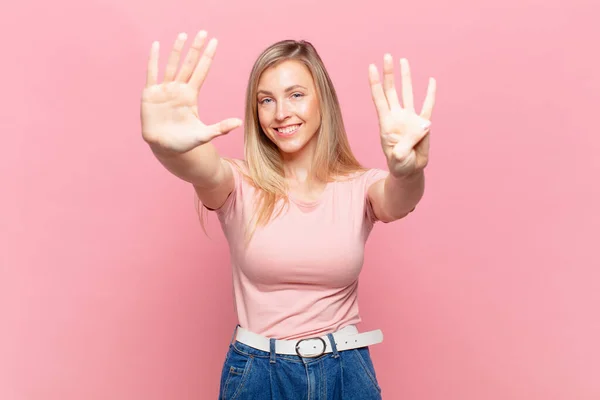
(407, 90)
(152, 70)
(422, 148)
(429, 101)
(402, 151)
(417, 129)
(407, 143)
(201, 70)
(173, 62)
(191, 58)
(388, 83)
(381, 104)
(224, 127)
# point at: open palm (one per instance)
(169, 110)
(404, 134)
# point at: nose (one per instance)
(282, 111)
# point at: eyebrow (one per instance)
(286, 90)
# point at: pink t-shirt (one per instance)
(298, 277)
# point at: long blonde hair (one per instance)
(333, 156)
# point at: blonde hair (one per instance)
(333, 157)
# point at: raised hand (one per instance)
(169, 110)
(404, 134)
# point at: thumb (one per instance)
(225, 126)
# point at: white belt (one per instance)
(345, 339)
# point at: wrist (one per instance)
(413, 176)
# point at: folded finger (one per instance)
(402, 150)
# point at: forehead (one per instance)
(285, 74)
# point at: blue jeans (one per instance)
(254, 374)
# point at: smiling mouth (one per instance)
(288, 130)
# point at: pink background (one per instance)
(490, 290)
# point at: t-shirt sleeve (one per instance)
(230, 203)
(370, 177)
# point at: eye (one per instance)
(297, 95)
(264, 101)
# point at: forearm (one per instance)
(200, 166)
(401, 195)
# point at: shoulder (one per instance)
(239, 169)
(239, 165)
(365, 177)
(374, 174)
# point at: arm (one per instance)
(172, 128)
(405, 140)
(394, 198)
(202, 166)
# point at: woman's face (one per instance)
(288, 105)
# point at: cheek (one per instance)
(309, 111)
(264, 118)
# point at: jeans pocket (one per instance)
(364, 358)
(235, 374)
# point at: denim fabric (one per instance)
(249, 373)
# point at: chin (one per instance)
(290, 148)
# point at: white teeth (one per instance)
(288, 129)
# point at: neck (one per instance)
(298, 166)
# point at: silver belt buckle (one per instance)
(313, 356)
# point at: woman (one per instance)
(296, 213)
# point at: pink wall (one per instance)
(490, 290)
